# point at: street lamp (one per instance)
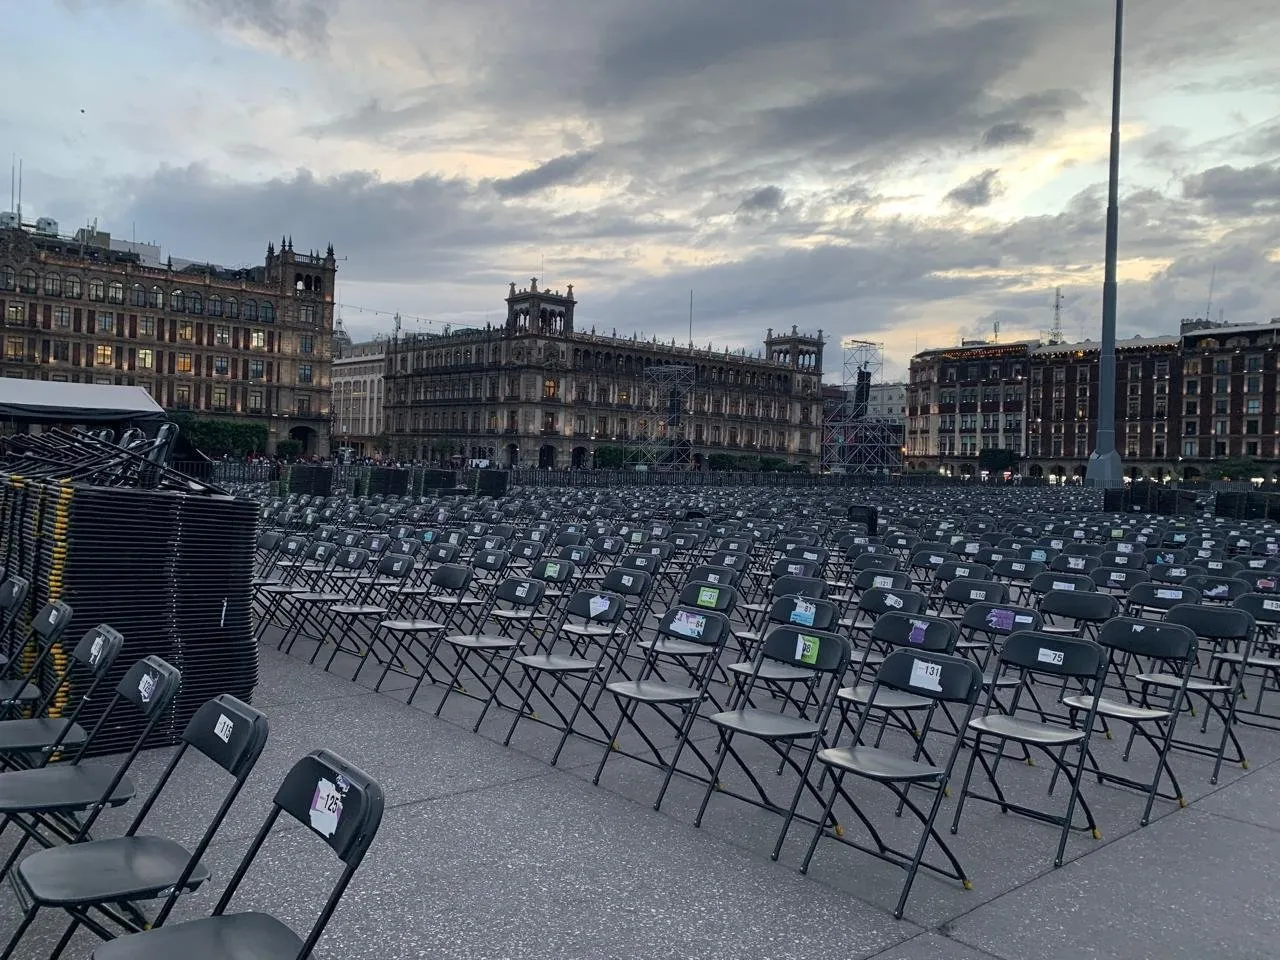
(1104, 466)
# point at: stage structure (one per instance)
(660, 441)
(853, 442)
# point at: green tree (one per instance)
(217, 437)
(750, 462)
(289, 449)
(1239, 468)
(720, 461)
(611, 458)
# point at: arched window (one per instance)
(155, 298)
(251, 309)
(233, 308)
(97, 289)
(268, 314)
(115, 291)
(195, 303)
(27, 281)
(177, 301)
(215, 306)
(71, 287)
(52, 285)
(138, 295)
(7, 277)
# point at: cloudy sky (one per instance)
(899, 170)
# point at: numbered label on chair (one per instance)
(1051, 657)
(885, 583)
(807, 648)
(977, 594)
(326, 808)
(962, 571)
(804, 613)
(891, 601)
(926, 675)
(1059, 585)
(598, 606)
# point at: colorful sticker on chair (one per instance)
(918, 630)
(999, 619)
(553, 570)
(708, 596)
(688, 624)
(1041, 555)
(326, 808)
(807, 648)
(803, 613)
(926, 675)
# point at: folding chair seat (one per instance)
(593, 608)
(341, 582)
(1223, 631)
(1060, 660)
(1086, 612)
(688, 637)
(326, 794)
(60, 802)
(42, 736)
(936, 679)
(1265, 659)
(358, 618)
(1139, 646)
(825, 656)
(417, 637)
(100, 883)
(1219, 589)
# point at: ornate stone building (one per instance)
(537, 392)
(358, 370)
(249, 344)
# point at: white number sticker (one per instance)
(891, 601)
(1053, 657)
(926, 675)
(326, 808)
(223, 728)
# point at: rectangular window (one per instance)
(255, 400)
(1220, 405)
(1189, 429)
(14, 348)
(221, 335)
(146, 326)
(307, 344)
(1192, 408)
(1188, 448)
(1252, 426)
(15, 312)
(103, 355)
(1222, 365)
(146, 359)
(304, 406)
(62, 317)
(307, 314)
(221, 366)
(1192, 388)
(1252, 384)
(62, 350)
(106, 322)
(1253, 405)
(1253, 364)
(219, 398)
(258, 340)
(187, 331)
(184, 363)
(182, 396)
(304, 373)
(255, 369)
(1251, 448)
(1222, 385)
(1162, 368)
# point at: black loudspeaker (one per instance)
(864, 513)
(1115, 500)
(493, 483)
(439, 479)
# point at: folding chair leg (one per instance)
(27, 919)
(65, 939)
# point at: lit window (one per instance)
(184, 363)
(222, 335)
(103, 355)
(255, 369)
(177, 301)
(182, 395)
(15, 312)
(220, 398)
(258, 340)
(14, 348)
(186, 331)
(221, 365)
(255, 400)
(146, 359)
(155, 298)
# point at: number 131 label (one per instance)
(926, 675)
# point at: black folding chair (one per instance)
(826, 655)
(341, 804)
(1038, 654)
(22, 690)
(101, 882)
(46, 803)
(919, 674)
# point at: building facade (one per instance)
(358, 370)
(537, 392)
(1184, 404)
(888, 402)
(249, 344)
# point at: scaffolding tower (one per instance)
(659, 441)
(852, 441)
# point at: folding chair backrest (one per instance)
(13, 594)
(94, 655)
(597, 606)
(1149, 638)
(879, 600)
(921, 632)
(707, 627)
(712, 574)
(885, 579)
(1218, 624)
(443, 553)
(1000, 619)
(1054, 654)
(938, 676)
(1090, 607)
(1049, 580)
(786, 567)
(803, 647)
(1221, 588)
(554, 571)
(800, 586)
(351, 558)
(966, 591)
(453, 577)
(706, 595)
(493, 561)
(521, 592)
